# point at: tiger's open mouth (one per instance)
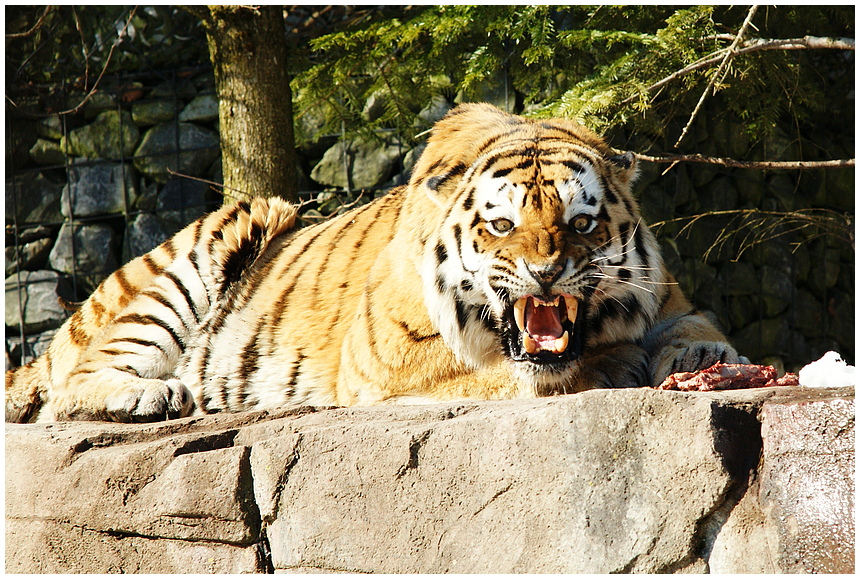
(544, 329)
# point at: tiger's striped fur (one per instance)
(513, 264)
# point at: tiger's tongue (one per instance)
(543, 323)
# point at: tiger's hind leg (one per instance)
(117, 357)
(126, 373)
(25, 392)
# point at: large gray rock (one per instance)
(153, 112)
(797, 515)
(157, 155)
(202, 109)
(50, 127)
(33, 199)
(807, 481)
(32, 346)
(47, 152)
(35, 296)
(113, 135)
(604, 481)
(27, 256)
(143, 233)
(100, 190)
(86, 251)
(358, 164)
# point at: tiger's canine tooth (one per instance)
(520, 313)
(529, 344)
(572, 305)
(560, 344)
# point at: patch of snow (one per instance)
(830, 371)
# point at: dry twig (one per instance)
(35, 27)
(92, 91)
(720, 72)
(755, 226)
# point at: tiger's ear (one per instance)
(439, 184)
(624, 167)
(454, 145)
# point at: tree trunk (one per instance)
(248, 50)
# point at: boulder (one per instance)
(359, 164)
(35, 296)
(100, 189)
(33, 345)
(807, 481)
(112, 135)
(203, 109)
(31, 255)
(146, 113)
(146, 230)
(182, 194)
(157, 156)
(47, 152)
(50, 127)
(33, 199)
(604, 481)
(85, 251)
(433, 112)
(143, 233)
(797, 516)
(97, 103)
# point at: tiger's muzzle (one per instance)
(545, 329)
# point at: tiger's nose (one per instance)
(545, 274)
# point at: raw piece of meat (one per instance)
(727, 377)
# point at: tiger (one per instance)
(513, 264)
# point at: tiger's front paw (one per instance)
(150, 401)
(692, 357)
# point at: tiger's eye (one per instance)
(501, 226)
(583, 223)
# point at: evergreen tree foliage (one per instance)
(594, 64)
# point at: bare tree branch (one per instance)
(36, 26)
(726, 162)
(721, 70)
(92, 91)
(814, 42)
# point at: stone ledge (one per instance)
(603, 481)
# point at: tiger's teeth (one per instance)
(572, 305)
(520, 313)
(560, 344)
(529, 344)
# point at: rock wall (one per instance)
(605, 481)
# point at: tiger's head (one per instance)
(535, 250)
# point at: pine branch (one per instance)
(754, 45)
(816, 42)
